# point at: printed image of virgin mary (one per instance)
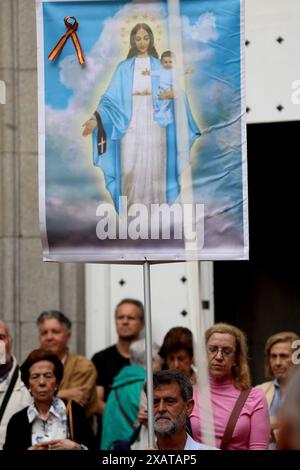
(132, 144)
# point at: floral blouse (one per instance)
(54, 427)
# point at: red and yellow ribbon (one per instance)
(71, 31)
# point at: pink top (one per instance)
(252, 428)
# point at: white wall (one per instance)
(106, 285)
(272, 67)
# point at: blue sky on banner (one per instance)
(212, 28)
(211, 41)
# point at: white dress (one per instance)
(143, 148)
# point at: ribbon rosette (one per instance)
(71, 31)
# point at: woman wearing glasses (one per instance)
(47, 424)
(229, 377)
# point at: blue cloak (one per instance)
(115, 108)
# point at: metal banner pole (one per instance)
(148, 327)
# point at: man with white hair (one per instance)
(14, 396)
(79, 380)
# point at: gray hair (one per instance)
(135, 302)
(59, 316)
(290, 408)
(137, 351)
(166, 377)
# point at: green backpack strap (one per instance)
(131, 424)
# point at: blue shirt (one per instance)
(276, 402)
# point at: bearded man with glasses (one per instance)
(240, 412)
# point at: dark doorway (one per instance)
(262, 296)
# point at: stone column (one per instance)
(27, 284)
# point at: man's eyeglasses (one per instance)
(214, 350)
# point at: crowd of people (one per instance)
(57, 400)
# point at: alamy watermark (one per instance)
(2, 92)
(296, 353)
(296, 93)
(151, 222)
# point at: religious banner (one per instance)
(142, 142)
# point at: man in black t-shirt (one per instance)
(108, 363)
(129, 317)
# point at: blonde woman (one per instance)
(229, 377)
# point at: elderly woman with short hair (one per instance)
(47, 424)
